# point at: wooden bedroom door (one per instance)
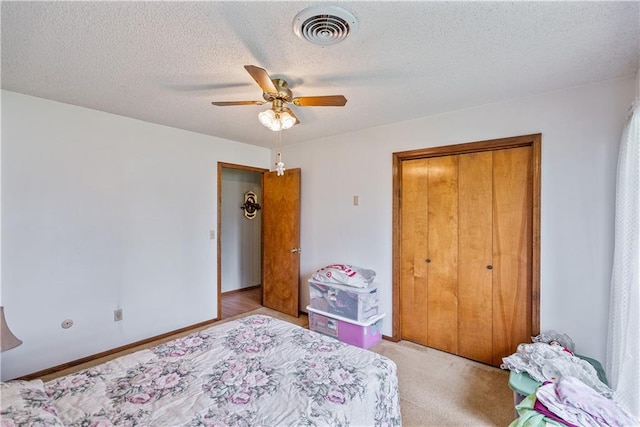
(281, 241)
(466, 243)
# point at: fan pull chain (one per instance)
(279, 164)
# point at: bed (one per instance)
(254, 371)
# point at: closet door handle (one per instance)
(489, 267)
(428, 260)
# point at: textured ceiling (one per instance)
(164, 62)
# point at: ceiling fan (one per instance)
(277, 92)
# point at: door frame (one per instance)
(221, 166)
(535, 142)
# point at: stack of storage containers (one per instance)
(344, 304)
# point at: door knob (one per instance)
(296, 250)
(428, 260)
(489, 267)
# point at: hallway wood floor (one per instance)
(241, 301)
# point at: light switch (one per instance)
(212, 234)
(356, 200)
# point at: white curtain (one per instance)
(623, 350)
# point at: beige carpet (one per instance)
(440, 389)
(436, 388)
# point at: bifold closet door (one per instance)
(413, 242)
(495, 232)
(475, 275)
(512, 249)
(429, 246)
(466, 251)
(442, 253)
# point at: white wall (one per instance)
(240, 236)
(581, 129)
(102, 212)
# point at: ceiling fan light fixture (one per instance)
(286, 120)
(267, 118)
(276, 120)
(324, 24)
(276, 126)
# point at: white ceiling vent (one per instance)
(324, 25)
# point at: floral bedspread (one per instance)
(255, 371)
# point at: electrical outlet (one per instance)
(117, 315)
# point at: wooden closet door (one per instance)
(468, 246)
(512, 249)
(442, 231)
(429, 246)
(413, 245)
(475, 286)
(466, 252)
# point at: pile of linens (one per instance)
(571, 392)
(344, 274)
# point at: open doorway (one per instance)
(239, 240)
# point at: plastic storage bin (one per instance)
(361, 334)
(359, 304)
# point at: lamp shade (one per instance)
(267, 118)
(7, 339)
(287, 120)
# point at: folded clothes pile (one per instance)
(549, 362)
(571, 393)
(570, 402)
(344, 274)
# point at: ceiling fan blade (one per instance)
(204, 86)
(228, 103)
(320, 101)
(288, 110)
(262, 78)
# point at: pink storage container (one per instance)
(361, 334)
